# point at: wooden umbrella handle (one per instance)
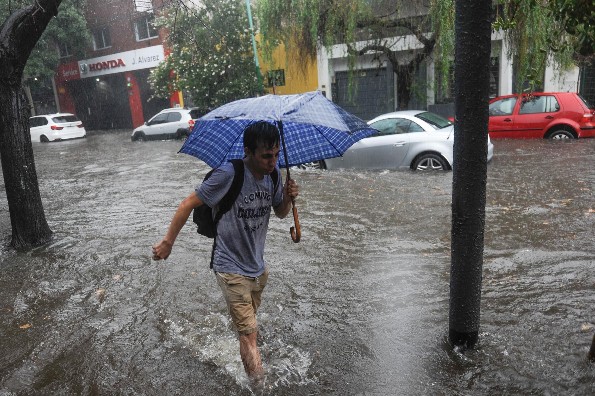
(296, 232)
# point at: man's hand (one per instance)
(291, 189)
(162, 250)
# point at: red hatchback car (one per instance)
(549, 115)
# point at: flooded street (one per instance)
(359, 306)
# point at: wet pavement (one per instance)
(359, 306)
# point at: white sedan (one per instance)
(55, 127)
(414, 139)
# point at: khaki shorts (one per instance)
(243, 296)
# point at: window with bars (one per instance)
(445, 87)
(101, 38)
(144, 28)
(494, 76)
(63, 50)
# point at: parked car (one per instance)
(55, 127)
(174, 123)
(414, 139)
(549, 115)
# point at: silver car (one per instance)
(414, 139)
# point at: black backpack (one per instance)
(203, 215)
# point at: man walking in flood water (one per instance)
(238, 256)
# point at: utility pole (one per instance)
(472, 78)
(260, 84)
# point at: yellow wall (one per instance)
(297, 78)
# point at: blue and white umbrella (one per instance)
(312, 128)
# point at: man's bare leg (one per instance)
(251, 357)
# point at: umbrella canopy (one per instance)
(313, 128)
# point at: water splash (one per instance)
(214, 341)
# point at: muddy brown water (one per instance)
(359, 306)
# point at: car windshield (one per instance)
(435, 120)
(194, 113)
(64, 118)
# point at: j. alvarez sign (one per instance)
(124, 61)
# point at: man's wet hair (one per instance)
(261, 133)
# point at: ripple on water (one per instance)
(359, 306)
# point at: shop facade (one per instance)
(112, 91)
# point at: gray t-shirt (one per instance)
(241, 232)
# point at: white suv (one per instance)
(55, 127)
(175, 123)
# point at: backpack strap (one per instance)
(229, 198)
(234, 190)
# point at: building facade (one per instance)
(285, 75)
(373, 87)
(109, 89)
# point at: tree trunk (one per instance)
(27, 218)
(472, 57)
(405, 73)
(18, 35)
(404, 81)
(30, 104)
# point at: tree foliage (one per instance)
(533, 28)
(211, 55)
(577, 18)
(68, 28)
(366, 27)
(535, 37)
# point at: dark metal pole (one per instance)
(472, 57)
(256, 64)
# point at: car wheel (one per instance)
(560, 134)
(313, 165)
(430, 162)
(139, 137)
(44, 139)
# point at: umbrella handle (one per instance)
(296, 232)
